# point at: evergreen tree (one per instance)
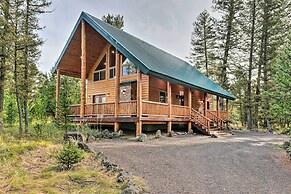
(32, 41)
(203, 42)
(280, 93)
(273, 33)
(114, 20)
(228, 35)
(63, 120)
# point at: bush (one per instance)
(69, 156)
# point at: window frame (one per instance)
(166, 97)
(112, 68)
(100, 70)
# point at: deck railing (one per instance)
(127, 108)
(180, 111)
(223, 115)
(154, 108)
(75, 109)
(149, 108)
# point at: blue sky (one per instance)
(166, 24)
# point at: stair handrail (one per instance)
(217, 117)
(207, 124)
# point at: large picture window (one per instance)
(100, 71)
(128, 68)
(112, 71)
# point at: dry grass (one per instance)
(30, 167)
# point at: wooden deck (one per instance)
(152, 112)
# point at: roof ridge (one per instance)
(150, 44)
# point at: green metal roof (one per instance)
(152, 60)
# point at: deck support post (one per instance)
(217, 109)
(83, 69)
(169, 100)
(190, 107)
(58, 84)
(205, 104)
(139, 103)
(226, 107)
(117, 89)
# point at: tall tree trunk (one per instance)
(249, 90)
(205, 48)
(224, 81)
(26, 64)
(16, 64)
(17, 91)
(265, 60)
(262, 63)
(2, 77)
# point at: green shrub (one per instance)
(69, 156)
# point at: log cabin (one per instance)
(125, 80)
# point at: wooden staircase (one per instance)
(205, 124)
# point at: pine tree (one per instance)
(228, 35)
(4, 49)
(203, 42)
(63, 120)
(114, 20)
(33, 8)
(280, 93)
(274, 32)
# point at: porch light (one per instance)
(112, 52)
(108, 94)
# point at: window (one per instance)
(163, 97)
(98, 99)
(100, 71)
(128, 68)
(222, 103)
(112, 71)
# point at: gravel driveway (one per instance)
(245, 162)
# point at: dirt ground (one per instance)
(246, 162)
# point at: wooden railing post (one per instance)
(117, 89)
(58, 84)
(83, 69)
(169, 100)
(190, 106)
(139, 103)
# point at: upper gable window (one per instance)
(100, 71)
(112, 62)
(128, 68)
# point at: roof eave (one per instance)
(180, 82)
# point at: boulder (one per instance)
(120, 133)
(115, 135)
(171, 134)
(90, 138)
(78, 136)
(158, 134)
(122, 177)
(131, 188)
(213, 136)
(83, 146)
(142, 137)
(110, 166)
(105, 134)
(286, 144)
(190, 131)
